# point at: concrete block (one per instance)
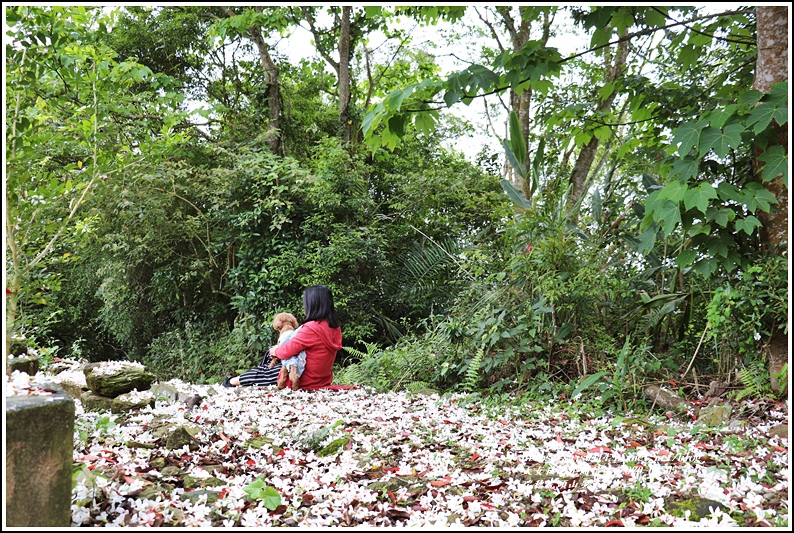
(39, 447)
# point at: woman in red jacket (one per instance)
(320, 335)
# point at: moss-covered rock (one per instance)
(179, 438)
(127, 402)
(698, 508)
(113, 378)
(28, 364)
(95, 402)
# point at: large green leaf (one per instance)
(757, 196)
(669, 216)
(517, 143)
(721, 140)
(747, 224)
(686, 137)
(512, 158)
(699, 197)
(775, 164)
(675, 191)
(515, 194)
(588, 382)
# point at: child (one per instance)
(287, 325)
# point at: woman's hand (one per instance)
(273, 352)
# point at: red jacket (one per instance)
(321, 343)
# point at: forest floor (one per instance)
(261, 457)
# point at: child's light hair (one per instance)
(282, 319)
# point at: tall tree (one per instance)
(256, 23)
(772, 66)
(517, 22)
(79, 118)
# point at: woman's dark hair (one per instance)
(318, 304)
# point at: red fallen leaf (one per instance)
(306, 499)
(579, 453)
(626, 475)
(197, 418)
(672, 382)
(503, 422)
(446, 480)
(643, 520)
(475, 456)
(223, 493)
(600, 449)
(250, 462)
(502, 442)
(614, 523)
(224, 437)
(663, 452)
(487, 505)
(91, 467)
(205, 406)
(280, 453)
(779, 449)
(281, 509)
(633, 444)
(130, 480)
(405, 433)
(423, 473)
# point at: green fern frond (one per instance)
(753, 378)
(418, 385)
(372, 349)
(472, 379)
(349, 375)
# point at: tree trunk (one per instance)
(519, 32)
(772, 67)
(345, 122)
(584, 162)
(273, 91)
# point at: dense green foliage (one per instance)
(143, 232)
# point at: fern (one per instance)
(754, 380)
(349, 375)
(472, 378)
(418, 385)
(372, 349)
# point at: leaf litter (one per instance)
(402, 459)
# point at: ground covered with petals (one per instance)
(260, 457)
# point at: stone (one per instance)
(127, 402)
(113, 378)
(39, 437)
(95, 402)
(195, 496)
(76, 390)
(698, 507)
(716, 415)
(23, 363)
(179, 438)
(192, 482)
(18, 346)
